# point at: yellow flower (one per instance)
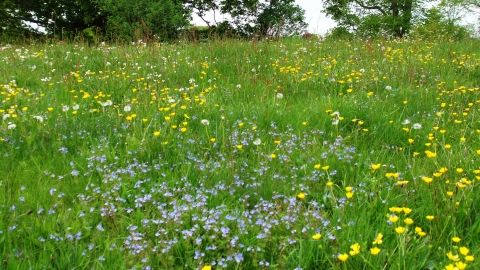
(408, 221)
(325, 167)
(376, 166)
(411, 140)
(407, 210)
(456, 239)
(348, 189)
(51, 109)
(459, 170)
(301, 195)
(450, 267)
(430, 154)
(156, 133)
(461, 265)
(212, 140)
(464, 251)
(355, 249)
(183, 129)
(349, 195)
(450, 193)
(207, 267)
(317, 236)
(374, 251)
(273, 156)
(239, 147)
(317, 166)
(304, 123)
(329, 183)
(393, 218)
(343, 257)
(469, 258)
(378, 240)
(430, 217)
(400, 230)
(452, 257)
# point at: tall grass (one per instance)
(293, 154)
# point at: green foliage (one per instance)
(130, 20)
(373, 18)
(434, 25)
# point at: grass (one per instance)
(290, 154)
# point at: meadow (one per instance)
(288, 154)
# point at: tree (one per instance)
(370, 17)
(128, 19)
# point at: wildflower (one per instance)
(304, 123)
(65, 108)
(406, 122)
(49, 109)
(469, 258)
(273, 156)
(378, 240)
(342, 257)
(461, 265)
(183, 129)
(411, 140)
(430, 154)
(257, 141)
(127, 108)
(325, 167)
(279, 95)
(417, 126)
(329, 183)
(301, 195)
(239, 147)
(349, 195)
(317, 166)
(207, 267)
(408, 221)
(374, 251)
(407, 210)
(400, 230)
(464, 251)
(459, 170)
(430, 217)
(212, 140)
(393, 218)
(11, 125)
(355, 249)
(205, 122)
(156, 133)
(376, 166)
(316, 236)
(456, 239)
(452, 257)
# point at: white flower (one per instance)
(257, 141)
(127, 108)
(11, 126)
(336, 113)
(406, 122)
(106, 103)
(417, 126)
(5, 116)
(279, 95)
(205, 122)
(388, 87)
(335, 121)
(239, 86)
(38, 118)
(171, 100)
(75, 107)
(65, 108)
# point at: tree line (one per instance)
(167, 19)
